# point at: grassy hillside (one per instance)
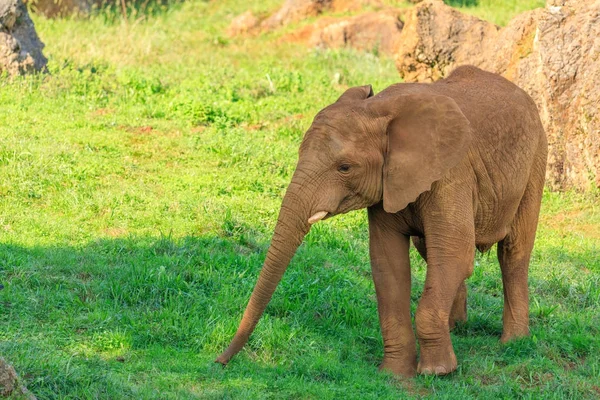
(141, 179)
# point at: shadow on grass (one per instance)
(75, 319)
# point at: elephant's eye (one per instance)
(344, 168)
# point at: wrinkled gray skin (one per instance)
(458, 164)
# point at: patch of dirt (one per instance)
(115, 232)
(254, 127)
(145, 129)
(102, 111)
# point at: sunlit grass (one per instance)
(497, 11)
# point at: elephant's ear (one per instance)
(356, 93)
(427, 135)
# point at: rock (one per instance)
(20, 46)
(565, 67)
(8, 379)
(552, 53)
(433, 38)
(242, 24)
(297, 10)
(294, 11)
(373, 31)
(9, 382)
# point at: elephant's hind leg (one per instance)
(514, 252)
(459, 306)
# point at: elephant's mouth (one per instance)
(317, 217)
(348, 203)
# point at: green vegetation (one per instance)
(497, 11)
(141, 179)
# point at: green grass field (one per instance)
(141, 180)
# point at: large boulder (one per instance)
(562, 71)
(436, 38)
(552, 53)
(294, 11)
(377, 31)
(20, 46)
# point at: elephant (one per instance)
(458, 165)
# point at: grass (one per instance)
(498, 11)
(140, 183)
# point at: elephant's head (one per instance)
(359, 151)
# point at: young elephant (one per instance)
(457, 164)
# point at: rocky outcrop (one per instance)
(552, 53)
(294, 11)
(374, 31)
(435, 38)
(297, 10)
(9, 383)
(20, 46)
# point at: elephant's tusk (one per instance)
(317, 217)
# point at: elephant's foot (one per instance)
(404, 367)
(514, 332)
(437, 360)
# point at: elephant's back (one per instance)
(501, 113)
(508, 140)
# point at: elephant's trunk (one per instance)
(292, 226)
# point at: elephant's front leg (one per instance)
(450, 254)
(391, 273)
